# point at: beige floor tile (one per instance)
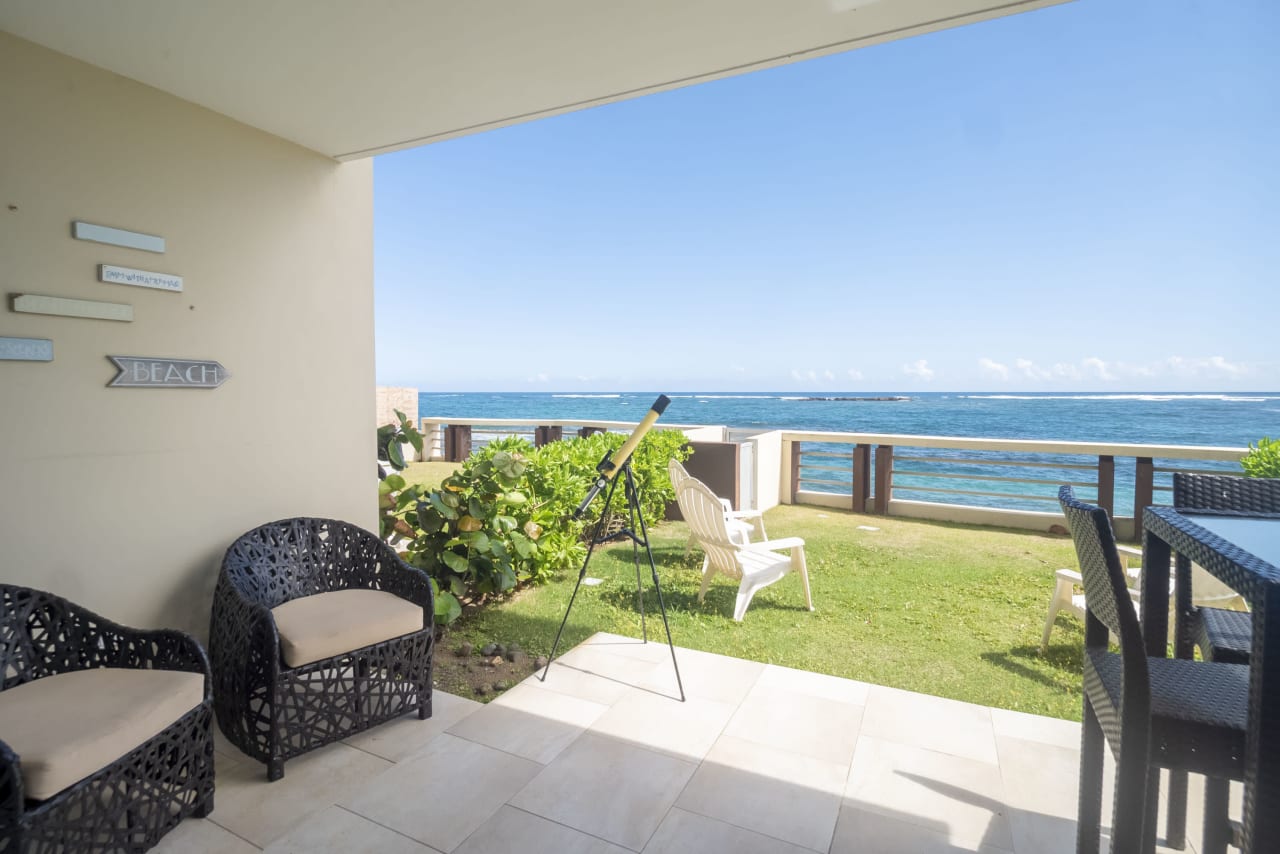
(607, 788)
(927, 787)
(245, 803)
(1055, 731)
(784, 795)
(590, 673)
(934, 723)
(514, 831)
(812, 726)
(685, 730)
(864, 832)
(530, 722)
(813, 685)
(441, 795)
(337, 831)
(1039, 777)
(684, 832)
(655, 650)
(707, 676)
(202, 836)
(406, 735)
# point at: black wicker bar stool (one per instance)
(1154, 712)
(1222, 635)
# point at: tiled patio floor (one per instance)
(602, 759)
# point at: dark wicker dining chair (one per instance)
(319, 631)
(1222, 635)
(1154, 712)
(108, 730)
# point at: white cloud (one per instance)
(854, 374)
(1094, 368)
(919, 369)
(539, 378)
(1098, 367)
(828, 376)
(993, 368)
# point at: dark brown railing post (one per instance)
(795, 471)
(884, 478)
(861, 477)
(584, 432)
(1144, 477)
(457, 442)
(1107, 484)
(547, 435)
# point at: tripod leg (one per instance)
(582, 573)
(653, 568)
(633, 506)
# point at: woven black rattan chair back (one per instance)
(1105, 588)
(1226, 492)
(292, 558)
(129, 804)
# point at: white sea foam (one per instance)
(1150, 398)
(586, 395)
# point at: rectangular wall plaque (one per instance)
(140, 278)
(26, 349)
(142, 372)
(117, 236)
(63, 307)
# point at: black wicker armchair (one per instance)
(79, 772)
(1187, 716)
(283, 598)
(1222, 635)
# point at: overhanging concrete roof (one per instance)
(351, 79)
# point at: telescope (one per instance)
(607, 469)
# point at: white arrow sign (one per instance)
(142, 372)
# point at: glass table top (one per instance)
(1259, 537)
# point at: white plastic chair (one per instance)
(735, 520)
(1206, 590)
(757, 565)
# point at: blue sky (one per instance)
(1083, 197)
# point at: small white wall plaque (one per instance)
(139, 278)
(143, 372)
(63, 307)
(117, 237)
(26, 349)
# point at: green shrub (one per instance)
(505, 517)
(1263, 459)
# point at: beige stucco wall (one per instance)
(389, 399)
(124, 499)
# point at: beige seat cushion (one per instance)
(328, 624)
(68, 726)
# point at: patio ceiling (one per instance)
(351, 80)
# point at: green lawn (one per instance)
(943, 609)
(428, 474)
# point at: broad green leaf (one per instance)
(451, 500)
(476, 508)
(454, 561)
(447, 608)
(521, 544)
(458, 586)
(441, 507)
(395, 482)
(506, 578)
(395, 455)
(515, 497)
(478, 541)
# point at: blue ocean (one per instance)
(1216, 419)
(1233, 419)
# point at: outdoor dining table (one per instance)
(1243, 550)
